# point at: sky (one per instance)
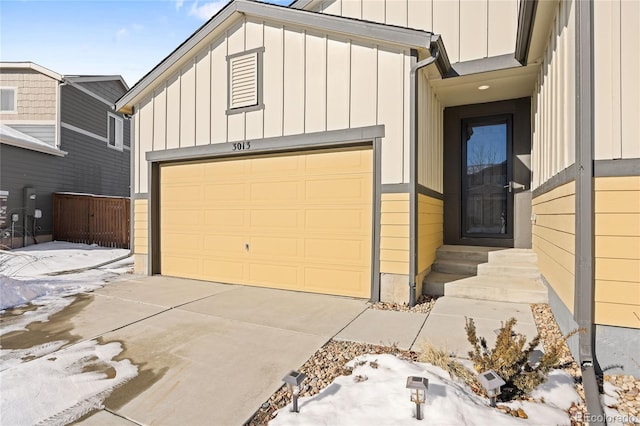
(103, 37)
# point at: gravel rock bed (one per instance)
(549, 332)
(423, 305)
(322, 369)
(628, 389)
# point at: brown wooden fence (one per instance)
(91, 219)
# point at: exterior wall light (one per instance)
(418, 387)
(491, 383)
(293, 381)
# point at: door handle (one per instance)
(514, 185)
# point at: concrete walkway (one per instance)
(212, 353)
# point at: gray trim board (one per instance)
(336, 24)
(430, 192)
(442, 62)
(561, 178)
(478, 66)
(153, 224)
(396, 188)
(526, 21)
(334, 138)
(132, 187)
(413, 173)
(141, 196)
(620, 167)
(377, 219)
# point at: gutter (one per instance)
(413, 162)
(584, 284)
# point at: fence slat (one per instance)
(92, 219)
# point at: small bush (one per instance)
(440, 358)
(509, 358)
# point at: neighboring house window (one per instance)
(116, 132)
(8, 99)
(245, 81)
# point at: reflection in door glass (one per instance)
(486, 177)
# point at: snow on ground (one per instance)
(382, 399)
(62, 387)
(53, 382)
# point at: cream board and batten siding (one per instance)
(430, 137)
(616, 71)
(311, 83)
(553, 150)
(471, 29)
(36, 95)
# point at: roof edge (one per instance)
(526, 20)
(33, 66)
(96, 78)
(336, 24)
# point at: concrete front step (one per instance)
(478, 254)
(454, 266)
(518, 255)
(509, 269)
(434, 282)
(498, 288)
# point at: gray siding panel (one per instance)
(83, 111)
(110, 90)
(44, 132)
(89, 167)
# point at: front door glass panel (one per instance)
(485, 178)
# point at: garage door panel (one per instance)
(306, 217)
(336, 281)
(231, 218)
(224, 270)
(222, 193)
(280, 275)
(273, 246)
(275, 192)
(338, 190)
(271, 219)
(339, 162)
(341, 221)
(336, 250)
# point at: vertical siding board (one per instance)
(502, 20)
(390, 112)
(446, 21)
(630, 67)
(219, 91)
(419, 13)
(236, 124)
(406, 108)
(337, 84)
(188, 104)
(273, 71)
(352, 8)
(396, 12)
(294, 81)
(173, 112)
(373, 10)
(607, 104)
(159, 119)
(363, 85)
(203, 100)
(254, 119)
(315, 83)
(473, 29)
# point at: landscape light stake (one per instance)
(491, 383)
(293, 381)
(420, 386)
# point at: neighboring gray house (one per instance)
(57, 134)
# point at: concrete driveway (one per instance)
(207, 353)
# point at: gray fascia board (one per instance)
(178, 53)
(442, 62)
(615, 168)
(334, 138)
(336, 24)
(96, 79)
(478, 66)
(526, 19)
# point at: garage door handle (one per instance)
(246, 246)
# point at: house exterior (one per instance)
(332, 146)
(57, 134)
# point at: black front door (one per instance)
(487, 203)
(486, 151)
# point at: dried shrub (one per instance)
(440, 358)
(510, 358)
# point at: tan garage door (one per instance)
(298, 222)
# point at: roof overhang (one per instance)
(96, 79)
(379, 33)
(11, 136)
(32, 66)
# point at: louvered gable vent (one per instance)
(244, 81)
